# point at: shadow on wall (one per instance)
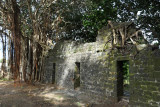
(67, 69)
(93, 74)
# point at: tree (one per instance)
(97, 15)
(145, 14)
(3, 40)
(35, 24)
(68, 19)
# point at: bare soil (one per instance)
(45, 95)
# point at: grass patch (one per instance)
(4, 79)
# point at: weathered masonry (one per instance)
(96, 68)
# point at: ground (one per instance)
(44, 95)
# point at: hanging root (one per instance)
(123, 31)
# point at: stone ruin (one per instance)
(96, 68)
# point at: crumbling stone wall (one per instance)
(144, 76)
(145, 79)
(98, 69)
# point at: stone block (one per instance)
(156, 74)
(156, 96)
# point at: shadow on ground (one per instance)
(45, 95)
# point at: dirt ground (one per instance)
(44, 95)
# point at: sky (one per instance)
(1, 46)
(1, 54)
(1, 50)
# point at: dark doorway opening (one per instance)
(77, 75)
(123, 80)
(54, 73)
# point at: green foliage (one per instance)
(70, 13)
(81, 19)
(4, 79)
(126, 72)
(100, 11)
(98, 14)
(148, 17)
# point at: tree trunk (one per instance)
(31, 62)
(4, 58)
(16, 34)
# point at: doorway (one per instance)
(54, 73)
(123, 80)
(77, 75)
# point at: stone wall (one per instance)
(144, 76)
(93, 76)
(145, 79)
(98, 69)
